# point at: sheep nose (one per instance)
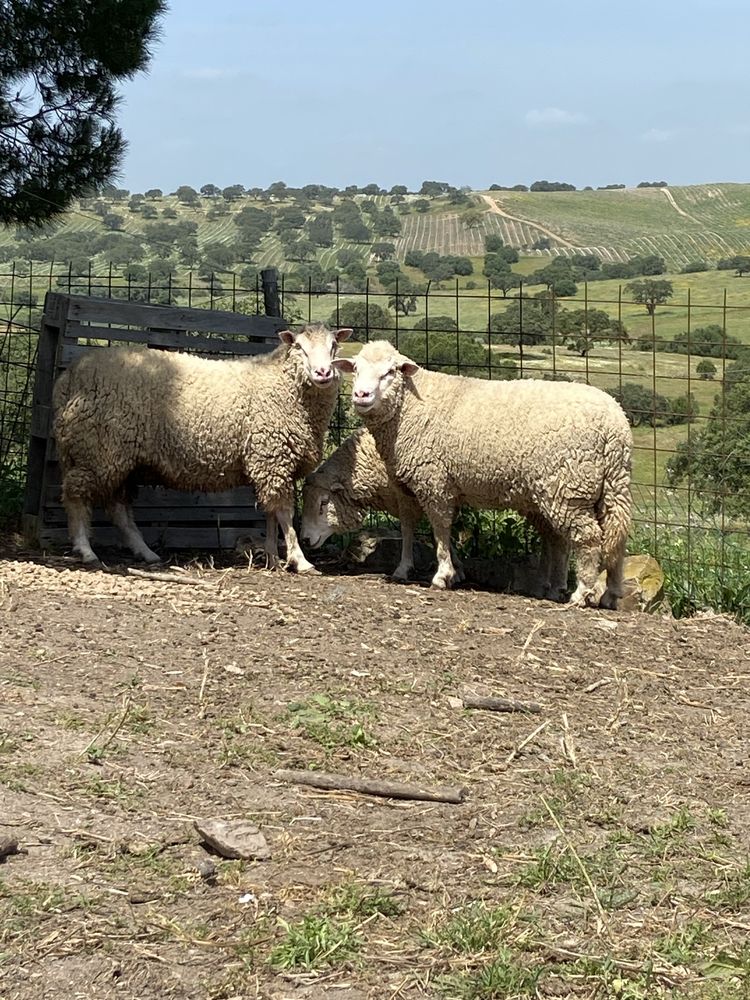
(361, 393)
(324, 372)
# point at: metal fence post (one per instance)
(269, 277)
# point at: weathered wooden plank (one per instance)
(53, 320)
(101, 310)
(169, 519)
(169, 539)
(70, 352)
(41, 417)
(159, 496)
(55, 514)
(172, 338)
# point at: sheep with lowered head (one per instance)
(557, 450)
(194, 424)
(338, 494)
(354, 479)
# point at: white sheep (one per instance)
(557, 450)
(338, 494)
(354, 479)
(194, 424)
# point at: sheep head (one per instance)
(379, 372)
(315, 346)
(326, 510)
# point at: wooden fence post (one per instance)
(53, 322)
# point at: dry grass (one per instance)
(600, 852)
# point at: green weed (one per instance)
(473, 930)
(503, 977)
(734, 893)
(359, 901)
(332, 723)
(315, 941)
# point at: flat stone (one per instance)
(236, 839)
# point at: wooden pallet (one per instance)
(168, 519)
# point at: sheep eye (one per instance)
(323, 504)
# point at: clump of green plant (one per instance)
(503, 977)
(734, 893)
(600, 872)
(493, 534)
(566, 788)
(472, 930)
(609, 979)
(704, 568)
(358, 900)
(331, 933)
(332, 722)
(484, 938)
(314, 941)
(684, 945)
(667, 839)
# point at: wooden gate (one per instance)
(169, 519)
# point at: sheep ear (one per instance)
(345, 365)
(287, 337)
(343, 334)
(409, 368)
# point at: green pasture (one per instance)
(714, 218)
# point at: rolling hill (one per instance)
(681, 224)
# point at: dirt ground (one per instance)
(601, 848)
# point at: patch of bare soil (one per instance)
(600, 850)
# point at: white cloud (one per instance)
(657, 135)
(541, 117)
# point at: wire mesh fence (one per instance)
(680, 370)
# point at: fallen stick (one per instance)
(500, 704)
(372, 786)
(167, 577)
(524, 743)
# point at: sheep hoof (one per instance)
(443, 583)
(400, 576)
(152, 559)
(307, 571)
(91, 563)
(581, 599)
(609, 601)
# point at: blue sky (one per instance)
(339, 93)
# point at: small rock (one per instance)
(8, 846)
(235, 839)
(207, 870)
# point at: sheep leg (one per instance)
(272, 542)
(79, 526)
(458, 565)
(295, 558)
(446, 575)
(122, 518)
(615, 585)
(408, 527)
(586, 539)
(555, 558)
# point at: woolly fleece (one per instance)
(559, 450)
